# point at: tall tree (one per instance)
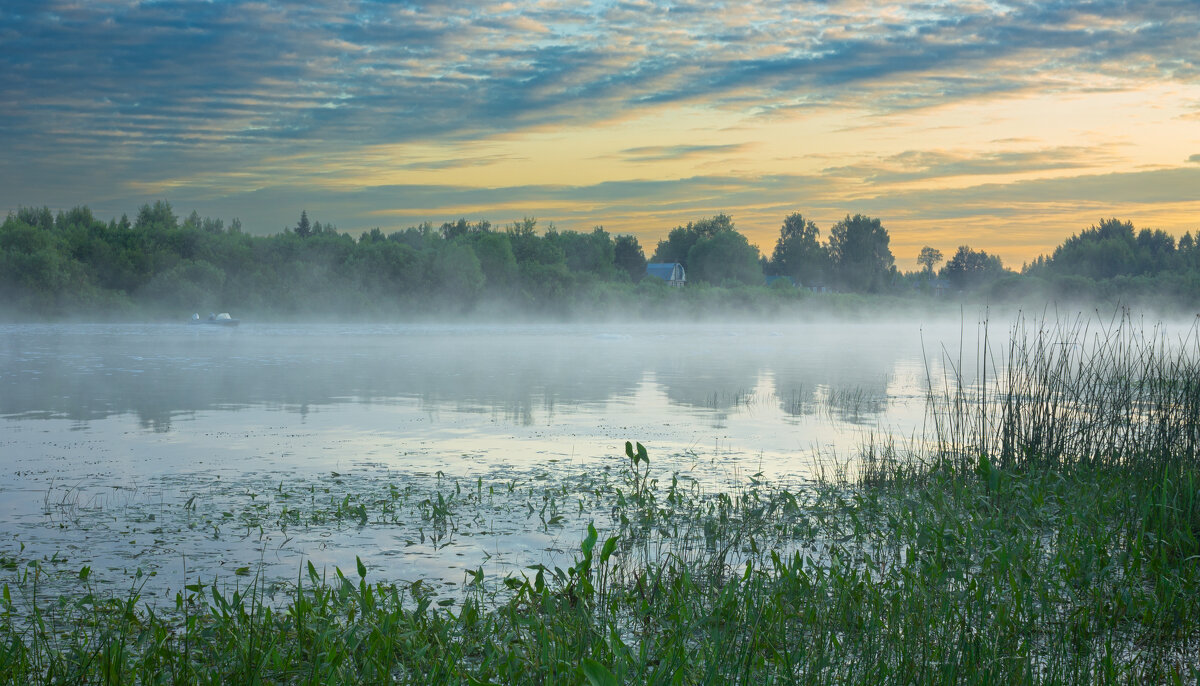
(725, 257)
(929, 258)
(707, 228)
(858, 249)
(681, 239)
(628, 256)
(798, 251)
(456, 273)
(971, 268)
(452, 230)
(496, 260)
(303, 227)
(586, 252)
(156, 217)
(1111, 249)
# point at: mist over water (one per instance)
(110, 429)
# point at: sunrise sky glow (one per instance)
(1007, 126)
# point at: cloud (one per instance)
(919, 165)
(456, 162)
(659, 153)
(1072, 193)
(109, 95)
(243, 72)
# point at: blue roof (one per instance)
(663, 270)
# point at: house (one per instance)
(671, 272)
(939, 287)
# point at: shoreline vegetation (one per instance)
(159, 266)
(1046, 531)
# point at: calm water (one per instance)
(179, 451)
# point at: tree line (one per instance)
(71, 262)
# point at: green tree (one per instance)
(707, 228)
(1108, 250)
(675, 247)
(860, 256)
(156, 217)
(530, 248)
(586, 252)
(497, 261)
(36, 271)
(725, 257)
(929, 258)
(798, 251)
(303, 227)
(455, 273)
(628, 257)
(682, 239)
(189, 285)
(39, 217)
(971, 268)
(462, 227)
(388, 268)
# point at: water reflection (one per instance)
(161, 374)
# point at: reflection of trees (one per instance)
(846, 376)
(158, 373)
(169, 372)
(718, 377)
(841, 369)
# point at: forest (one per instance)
(72, 263)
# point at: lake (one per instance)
(161, 454)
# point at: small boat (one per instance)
(222, 319)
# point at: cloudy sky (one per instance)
(1004, 125)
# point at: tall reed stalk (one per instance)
(1079, 394)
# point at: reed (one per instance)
(1086, 393)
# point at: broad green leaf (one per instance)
(610, 546)
(596, 673)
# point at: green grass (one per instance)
(997, 554)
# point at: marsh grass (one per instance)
(1045, 533)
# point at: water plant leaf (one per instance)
(596, 673)
(609, 548)
(589, 542)
(312, 573)
(362, 569)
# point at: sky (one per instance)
(1006, 126)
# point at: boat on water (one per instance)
(222, 319)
